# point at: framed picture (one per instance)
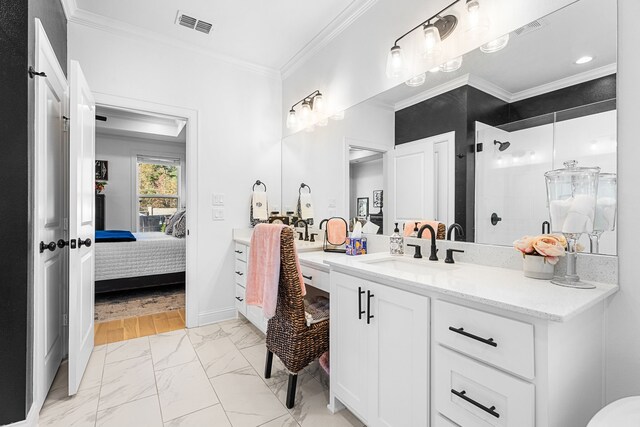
(377, 199)
(363, 207)
(102, 170)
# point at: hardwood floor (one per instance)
(136, 327)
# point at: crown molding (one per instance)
(340, 23)
(565, 82)
(69, 7)
(490, 88)
(102, 23)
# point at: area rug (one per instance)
(139, 302)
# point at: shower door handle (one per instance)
(495, 219)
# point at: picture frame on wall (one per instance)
(362, 207)
(377, 199)
(102, 170)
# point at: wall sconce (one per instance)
(312, 105)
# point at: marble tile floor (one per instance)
(208, 376)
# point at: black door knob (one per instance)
(86, 242)
(495, 219)
(44, 246)
(62, 243)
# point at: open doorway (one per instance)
(141, 217)
(366, 183)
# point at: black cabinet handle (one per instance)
(86, 242)
(308, 277)
(495, 219)
(44, 246)
(239, 273)
(240, 299)
(463, 395)
(461, 331)
(369, 315)
(62, 243)
(360, 310)
(238, 252)
(546, 227)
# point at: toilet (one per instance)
(621, 413)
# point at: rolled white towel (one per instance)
(580, 216)
(259, 202)
(306, 206)
(558, 210)
(605, 214)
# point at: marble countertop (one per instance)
(301, 245)
(316, 259)
(498, 287)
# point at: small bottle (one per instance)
(415, 231)
(396, 242)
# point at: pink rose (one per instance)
(524, 245)
(548, 246)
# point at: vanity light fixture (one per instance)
(435, 29)
(311, 104)
(495, 45)
(451, 65)
(416, 81)
(584, 59)
(476, 22)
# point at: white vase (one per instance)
(537, 267)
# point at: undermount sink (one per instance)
(411, 265)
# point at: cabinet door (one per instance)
(349, 373)
(399, 349)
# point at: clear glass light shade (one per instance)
(395, 63)
(432, 42)
(495, 45)
(477, 22)
(572, 194)
(318, 103)
(305, 113)
(451, 65)
(292, 120)
(417, 80)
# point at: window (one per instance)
(158, 190)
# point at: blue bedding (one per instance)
(114, 236)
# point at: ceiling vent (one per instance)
(530, 27)
(193, 23)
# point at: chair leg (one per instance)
(268, 363)
(291, 390)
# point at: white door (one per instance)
(349, 367)
(399, 359)
(50, 263)
(81, 224)
(423, 179)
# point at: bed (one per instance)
(153, 259)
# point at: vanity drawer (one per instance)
(472, 394)
(316, 278)
(241, 252)
(241, 304)
(240, 273)
(255, 316)
(499, 341)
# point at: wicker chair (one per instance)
(288, 335)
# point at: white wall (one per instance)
(239, 131)
(120, 192)
(364, 178)
(351, 69)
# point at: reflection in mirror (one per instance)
(471, 146)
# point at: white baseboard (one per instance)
(31, 421)
(215, 316)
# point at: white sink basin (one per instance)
(411, 265)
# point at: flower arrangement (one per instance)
(100, 186)
(549, 246)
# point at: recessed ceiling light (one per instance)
(584, 60)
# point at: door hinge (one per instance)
(65, 319)
(479, 148)
(65, 123)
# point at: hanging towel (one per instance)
(263, 276)
(426, 234)
(336, 231)
(305, 207)
(259, 208)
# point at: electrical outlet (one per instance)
(217, 199)
(218, 214)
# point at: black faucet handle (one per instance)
(449, 259)
(313, 237)
(300, 235)
(418, 253)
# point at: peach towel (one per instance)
(263, 276)
(336, 231)
(426, 234)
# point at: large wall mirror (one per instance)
(472, 143)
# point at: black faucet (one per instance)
(306, 229)
(456, 230)
(434, 251)
(449, 259)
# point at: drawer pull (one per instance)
(369, 315)
(238, 252)
(461, 331)
(240, 299)
(239, 273)
(360, 310)
(463, 395)
(308, 277)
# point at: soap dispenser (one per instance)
(415, 231)
(396, 242)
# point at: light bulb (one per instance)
(305, 112)
(318, 103)
(416, 80)
(431, 40)
(476, 22)
(395, 62)
(451, 65)
(495, 45)
(292, 120)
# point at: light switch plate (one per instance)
(217, 199)
(218, 214)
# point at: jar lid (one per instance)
(571, 169)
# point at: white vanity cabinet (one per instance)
(240, 276)
(379, 352)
